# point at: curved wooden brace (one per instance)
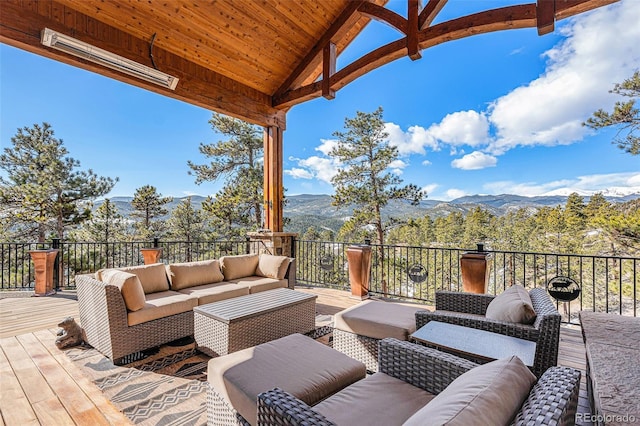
(520, 16)
(384, 15)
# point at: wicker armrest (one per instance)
(290, 276)
(553, 400)
(426, 368)
(469, 303)
(521, 331)
(279, 408)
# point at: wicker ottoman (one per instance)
(241, 322)
(297, 364)
(357, 330)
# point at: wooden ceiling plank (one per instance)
(429, 13)
(198, 85)
(328, 69)
(545, 16)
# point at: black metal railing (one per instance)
(608, 283)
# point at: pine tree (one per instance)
(44, 193)
(477, 227)
(237, 161)
(106, 225)
(148, 206)
(364, 179)
(186, 223)
(624, 116)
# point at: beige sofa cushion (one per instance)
(377, 400)
(378, 319)
(491, 394)
(297, 364)
(272, 266)
(239, 266)
(210, 293)
(162, 304)
(129, 285)
(189, 274)
(152, 277)
(257, 284)
(512, 305)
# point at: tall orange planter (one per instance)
(151, 255)
(475, 266)
(359, 258)
(43, 261)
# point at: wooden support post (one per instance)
(328, 69)
(545, 16)
(413, 14)
(273, 185)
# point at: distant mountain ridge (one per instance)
(315, 210)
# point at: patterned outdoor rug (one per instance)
(164, 387)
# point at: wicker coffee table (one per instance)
(241, 322)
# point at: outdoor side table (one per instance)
(477, 345)
(241, 322)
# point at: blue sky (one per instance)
(490, 114)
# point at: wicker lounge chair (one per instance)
(415, 371)
(468, 310)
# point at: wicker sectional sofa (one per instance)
(127, 310)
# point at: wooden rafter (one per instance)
(545, 16)
(511, 17)
(429, 13)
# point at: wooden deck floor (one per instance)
(39, 385)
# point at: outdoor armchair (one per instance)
(409, 371)
(468, 310)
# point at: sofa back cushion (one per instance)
(512, 305)
(129, 285)
(238, 266)
(271, 266)
(152, 277)
(190, 274)
(490, 394)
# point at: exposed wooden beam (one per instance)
(346, 19)
(510, 17)
(328, 69)
(413, 13)
(273, 184)
(384, 15)
(20, 27)
(429, 13)
(545, 16)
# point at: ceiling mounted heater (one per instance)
(91, 53)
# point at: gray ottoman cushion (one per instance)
(297, 364)
(378, 320)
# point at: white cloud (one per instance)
(475, 161)
(327, 145)
(580, 72)
(297, 173)
(413, 141)
(398, 164)
(426, 163)
(609, 184)
(453, 193)
(428, 189)
(462, 128)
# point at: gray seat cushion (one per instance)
(297, 364)
(378, 320)
(378, 400)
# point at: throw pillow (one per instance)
(239, 266)
(129, 286)
(152, 277)
(190, 274)
(490, 394)
(512, 305)
(272, 266)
